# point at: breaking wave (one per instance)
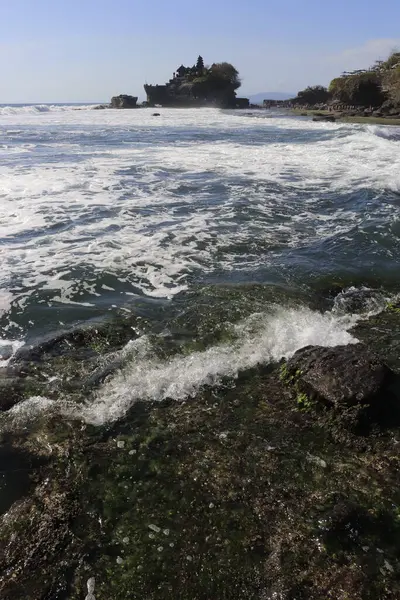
(26, 109)
(261, 339)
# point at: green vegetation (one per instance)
(393, 307)
(364, 89)
(291, 380)
(303, 401)
(371, 120)
(219, 79)
(317, 94)
(287, 377)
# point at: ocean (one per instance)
(105, 210)
(221, 240)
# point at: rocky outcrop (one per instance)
(11, 391)
(342, 376)
(275, 499)
(124, 101)
(326, 118)
(242, 103)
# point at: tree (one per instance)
(217, 82)
(317, 94)
(224, 75)
(364, 89)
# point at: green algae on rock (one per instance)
(232, 494)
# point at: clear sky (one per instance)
(89, 50)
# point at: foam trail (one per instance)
(147, 378)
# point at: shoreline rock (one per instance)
(341, 375)
(325, 118)
(124, 101)
(245, 483)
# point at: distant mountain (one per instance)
(258, 98)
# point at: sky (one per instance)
(90, 50)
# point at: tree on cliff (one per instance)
(316, 94)
(219, 81)
(224, 75)
(391, 84)
(390, 71)
(362, 89)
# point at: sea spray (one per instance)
(261, 339)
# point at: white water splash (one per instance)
(147, 378)
(13, 110)
(261, 339)
(8, 349)
(94, 191)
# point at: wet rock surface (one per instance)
(341, 376)
(11, 391)
(325, 118)
(241, 491)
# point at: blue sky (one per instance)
(89, 50)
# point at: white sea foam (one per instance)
(155, 213)
(33, 109)
(138, 198)
(261, 339)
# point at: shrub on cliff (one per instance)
(316, 94)
(360, 89)
(221, 79)
(224, 75)
(390, 71)
(391, 83)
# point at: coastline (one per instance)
(343, 118)
(159, 438)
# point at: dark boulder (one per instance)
(12, 391)
(342, 376)
(156, 115)
(124, 101)
(325, 118)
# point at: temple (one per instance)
(191, 87)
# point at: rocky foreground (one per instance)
(282, 484)
(348, 116)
